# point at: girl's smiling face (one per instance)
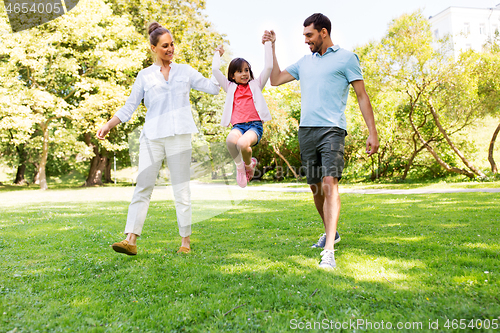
(242, 75)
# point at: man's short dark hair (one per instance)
(320, 21)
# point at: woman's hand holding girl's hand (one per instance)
(220, 48)
(103, 131)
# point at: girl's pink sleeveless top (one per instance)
(243, 106)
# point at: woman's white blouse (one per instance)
(169, 110)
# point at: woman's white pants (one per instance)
(177, 150)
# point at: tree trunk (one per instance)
(97, 164)
(491, 149)
(286, 161)
(379, 172)
(435, 155)
(21, 168)
(107, 171)
(36, 177)
(280, 175)
(373, 175)
(43, 160)
(455, 149)
(410, 162)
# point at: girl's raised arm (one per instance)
(268, 65)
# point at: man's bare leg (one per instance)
(327, 201)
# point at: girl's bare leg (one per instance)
(245, 143)
(232, 147)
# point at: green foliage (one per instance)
(279, 143)
(65, 79)
(69, 76)
(408, 76)
(488, 71)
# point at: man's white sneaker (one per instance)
(327, 259)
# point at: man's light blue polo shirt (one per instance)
(324, 84)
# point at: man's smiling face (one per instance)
(313, 38)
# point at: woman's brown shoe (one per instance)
(125, 247)
(183, 249)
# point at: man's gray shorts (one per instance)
(322, 152)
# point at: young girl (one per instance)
(245, 109)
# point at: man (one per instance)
(324, 77)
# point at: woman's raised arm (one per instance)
(223, 81)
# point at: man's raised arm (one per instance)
(278, 77)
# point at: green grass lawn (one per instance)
(402, 259)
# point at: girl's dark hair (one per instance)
(155, 31)
(234, 65)
(320, 21)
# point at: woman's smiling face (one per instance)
(165, 48)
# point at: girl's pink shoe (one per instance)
(241, 177)
(250, 169)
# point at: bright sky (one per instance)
(354, 22)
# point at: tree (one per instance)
(16, 129)
(488, 70)
(76, 71)
(66, 63)
(424, 97)
(281, 131)
(279, 143)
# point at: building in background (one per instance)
(469, 28)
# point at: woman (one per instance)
(167, 130)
